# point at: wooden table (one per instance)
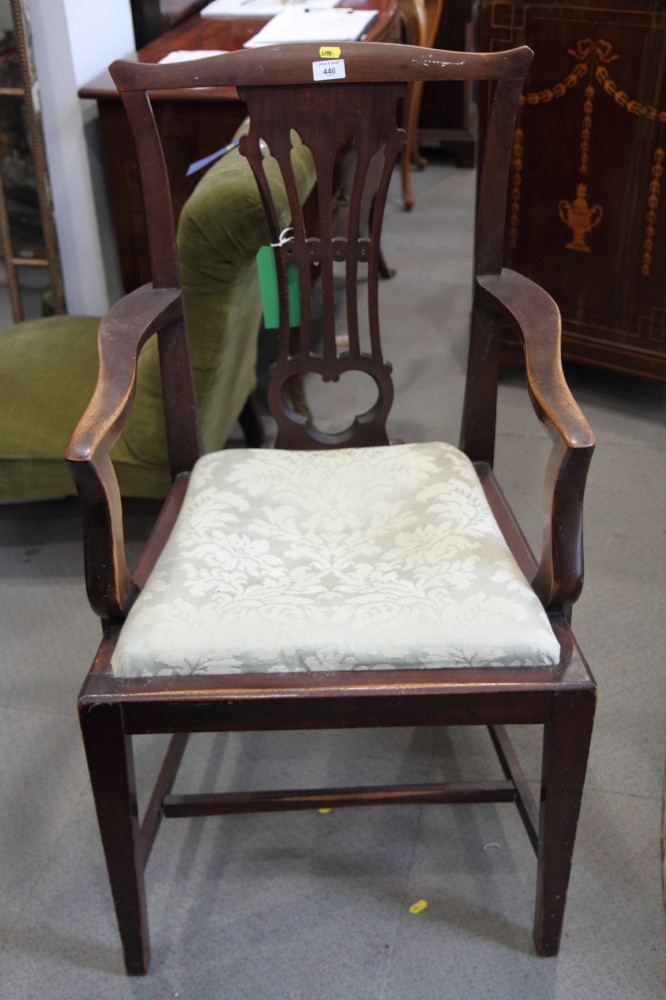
(587, 199)
(191, 126)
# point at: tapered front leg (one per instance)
(111, 766)
(565, 751)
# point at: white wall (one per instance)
(99, 32)
(73, 41)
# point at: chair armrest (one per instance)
(536, 318)
(122, 333)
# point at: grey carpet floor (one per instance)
(317, 907)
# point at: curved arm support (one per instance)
(536, 318)
(122, 333)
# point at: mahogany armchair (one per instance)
(336, 580)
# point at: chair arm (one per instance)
(536, 318)
(122, 333)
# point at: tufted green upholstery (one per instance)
(48, 367)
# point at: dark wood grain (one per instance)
(356, 117)
(589, 151)
(224, 803)
(192, 123)
(111, 769)
(123, 331)
(536, 319)
(448, 116)
(152, 18)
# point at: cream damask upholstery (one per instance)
(350, 559)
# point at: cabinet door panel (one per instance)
(587, 210)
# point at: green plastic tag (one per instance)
(268, 287)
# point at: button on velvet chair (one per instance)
(335, 580)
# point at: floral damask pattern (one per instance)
(352, 559)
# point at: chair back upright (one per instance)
(344, 110)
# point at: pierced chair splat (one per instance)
(334, 581)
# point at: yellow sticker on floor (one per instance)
(323, 811)
(418, 906)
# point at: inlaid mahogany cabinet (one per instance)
(587, 195)
(336, 580)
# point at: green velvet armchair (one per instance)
(48, 367)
